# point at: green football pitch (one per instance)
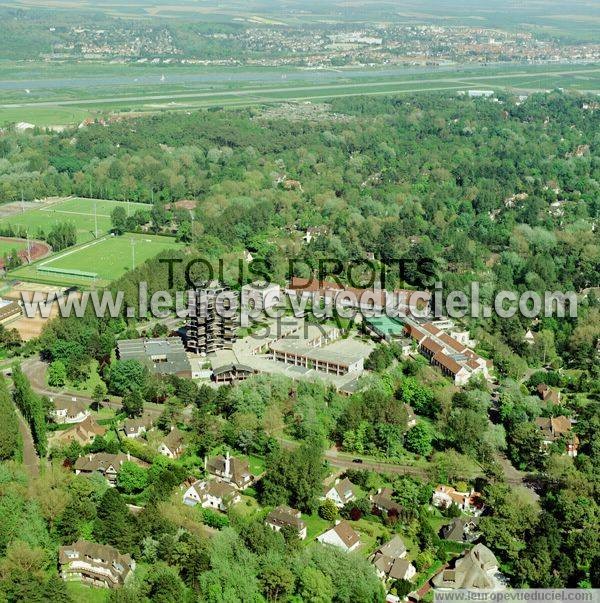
(87, 215)
(97, 262)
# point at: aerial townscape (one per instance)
(299, 302)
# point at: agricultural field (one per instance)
(97, 262)
(87, 214)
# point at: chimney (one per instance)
(205, 462)
(227, 463)
(337, 522)
(128, 455)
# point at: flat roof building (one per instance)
(161, 356)
(321, 348)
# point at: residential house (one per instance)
(444, 496)
(173, 444)
(69, 411)
(135, 428)
(341, 492)
(342, 536)
(384, 503)
(548, 394)
(83, 433)
(95, 564)
(284, 516)
(106, 464)
(477, 569)
(211, 494)
(558, 428)
(460, 529)
(230, 469)
(389, 561)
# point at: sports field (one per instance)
(8, 246)
(86, 214)
(98, 262)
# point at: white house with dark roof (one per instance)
(211, 494)
(341, 492)
(230, 469)
(341, 536)
(95, 564)
(69, 411)
(284, 516)
(173, 444)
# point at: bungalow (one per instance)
(106, 464)
(83, 433)
(211, 494)
(444, 496)
(95, 564)
(342, 536)
(558, 428)
(230, 469)
(389, 561)
(384, 503)
(284, 516)
(69, 411)
(341, 492)
(172, 445)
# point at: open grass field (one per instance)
(103, 260)
(77, 210)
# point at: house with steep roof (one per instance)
(477, 569)
(443, 497)
(284, 516)
(341, 536)
(211, 494)
(548, 394)
(460, 529)
(390, 562)
(106, 464)
(136, 428)
(341, 492)
(173, 444)
(69, 411)
(99, 565)
(230, 469)
(558, 428)
(384, 503)
(83, 433)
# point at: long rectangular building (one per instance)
(321, 349)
